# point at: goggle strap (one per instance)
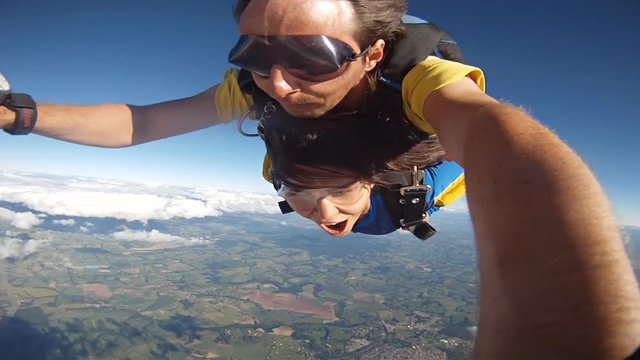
(285, 208)
(354, 56)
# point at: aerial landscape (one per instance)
(238, 285)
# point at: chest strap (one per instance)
(406, 198)
(413, 203)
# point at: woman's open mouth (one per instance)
(335, 228)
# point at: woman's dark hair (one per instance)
(310, 153)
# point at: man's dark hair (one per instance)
(377, 19)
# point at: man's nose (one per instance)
(325, 209)
(281, 83)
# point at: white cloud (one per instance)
(21, 220)
(69, 196)
(453, 209)
(65, 222)
(154, 236)
(150, 236)
(458, 206)
(14, 248)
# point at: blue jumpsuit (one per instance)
(379, 221)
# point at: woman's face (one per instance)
(334, 209)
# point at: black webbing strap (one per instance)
(26, 113)
(413, 200)
(408, 203)
(414, 217)
(285, 207)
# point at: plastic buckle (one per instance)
(419, 228)
(408, 225)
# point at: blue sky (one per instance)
(571, 64)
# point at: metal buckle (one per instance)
(416, 178)
(408, 225)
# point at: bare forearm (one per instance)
(108, 125)
(555, 280)
(119, 125)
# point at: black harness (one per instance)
(407, 203)
(406, 197)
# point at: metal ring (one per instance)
(241, 130)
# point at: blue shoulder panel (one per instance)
(391, 83)
(410, 19)
(440, 177)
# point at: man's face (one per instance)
(335, 19)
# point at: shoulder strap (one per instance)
(422, 39)
(245, 81)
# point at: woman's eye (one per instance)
(293, 192)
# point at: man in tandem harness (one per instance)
(407, 201)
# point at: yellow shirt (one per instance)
(231, 102)
(427, 76)
(431, 74)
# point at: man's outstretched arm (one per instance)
(555, 281)
(119, 125)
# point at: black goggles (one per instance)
(308, 57)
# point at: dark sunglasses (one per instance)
(308, 57)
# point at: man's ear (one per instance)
(375, 55)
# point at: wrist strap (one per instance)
(26, 113)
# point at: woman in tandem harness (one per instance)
(336, 173)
